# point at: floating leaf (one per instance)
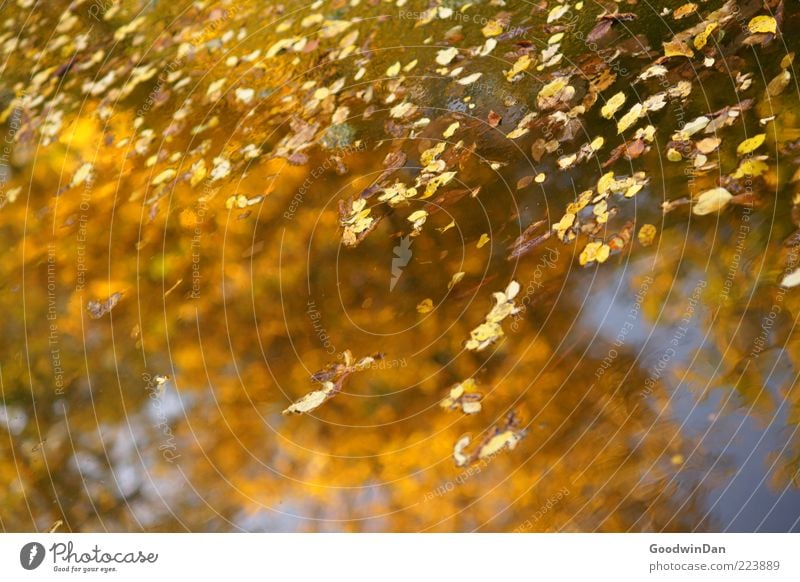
(505, 436)
(556, 91)
(631, 117)
(507, 439)
(455, 279)
(417, 219)
(647, 234)
(677, 49)
(470, 79)
(609, 109)
(83, 174)
(393, 70)
(684, 11)
(711, 201)
(425, 306)
(313, 399)
(445, 56)
(779, 83)
(459, 457)
(557, 12)
(356, 222)
(522, 64)
(702, 39)
(489, 331)
(463, 396)
(332, 378)
(750, 167)
(792, 279)
(164, 176)
(751, 144)
(708, 145)
(594, 252)
(98, 309)
(764, 24)
(451, 129)
(492, 28)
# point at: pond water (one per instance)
(562, 230)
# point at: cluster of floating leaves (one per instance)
(202, 67)
(490, 330)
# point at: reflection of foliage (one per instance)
(153, 240)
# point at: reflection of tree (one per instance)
(236, 339)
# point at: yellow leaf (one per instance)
(506, 439)
(677, 49)
(451, 129)
(765, 24)
(684, 11)
(455, 279)
(630, 118)
(647, 234)
(167, 174)
(779, 83)
(609, 109)
(448, 226)
(750, 168)
(83, 174)
(312, 400)
(492, 28)
(711, 201)
(605, 182)
(594, 251)
(702, 39)
(521, 65)
(425, 306)
(751, 144)
(483, 240)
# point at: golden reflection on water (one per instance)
(654, 395)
